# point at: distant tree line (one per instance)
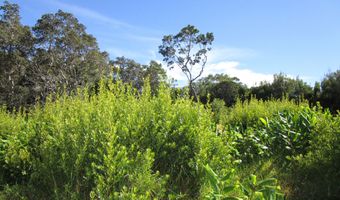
(230, 89)
(57, 54)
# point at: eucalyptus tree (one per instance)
(131, 72)
(187, 50)
(65, 55)
(16, 47)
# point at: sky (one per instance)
(254, 39)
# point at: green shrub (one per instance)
(250, 188)
(124, 144)
(246, 114)
(255, 128)
(116, 144)
(316, 174)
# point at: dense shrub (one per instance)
(114, 144)
(316, 174)
(247, 114)
(254, 129)
(125, 144)
(295, 143)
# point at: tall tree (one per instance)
(156, 75)
(188, 50)
(129, 71)
(316, 93)
(65, 55)
(330, 91)
(283, 86)
(221, 86)
(16, 46)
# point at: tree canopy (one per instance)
(221, 86)
(187, 49)
(16, 49)
(131, 72)
(283, 86)
(55, 54)
(65, 54)
(330, 87)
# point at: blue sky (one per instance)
(254, 39)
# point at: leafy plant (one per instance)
(228, 188)
(266, 189)
(222, 187)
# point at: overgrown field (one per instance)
(122, 144)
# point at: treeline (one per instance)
(57, 54)
(230, 89)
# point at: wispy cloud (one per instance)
(88, 13)
(144, 38)
(117, 37)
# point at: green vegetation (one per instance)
(57, 54)
(110, 145)
(76, 125)
(188, 50)
(120, 143)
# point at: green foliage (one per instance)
(283, 86)
(221, 86)
(55, 54)
(16, 48)
(271, 128)
(301, 143)
(220, 187)
(290, 131)
(121, 143)
(246, 114)
(188, 50)
(266, 189)
(65, 55)
(70, 149)
(130, 72)
(218, 108)
(229, 188)
(330, 95)
(315, 175)
(111, 145)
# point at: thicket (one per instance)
(116, 144)
(125, 144)
(297, 144)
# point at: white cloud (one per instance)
(221, 60)
(176, 73)
(232, 68)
